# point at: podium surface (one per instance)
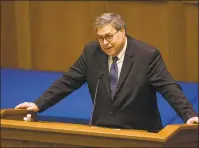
(17, 133)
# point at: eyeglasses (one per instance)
(108, 38)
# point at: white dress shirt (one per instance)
(120, 59)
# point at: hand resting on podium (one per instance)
(30, 106)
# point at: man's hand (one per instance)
(193, 120)
(29, 106)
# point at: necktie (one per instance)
(113, 76)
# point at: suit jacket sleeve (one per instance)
(162, 80)
(66, 84)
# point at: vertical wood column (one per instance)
(176, 50)
(190, 39)
(9, 58)
(23, 34)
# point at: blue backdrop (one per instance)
(18, 85)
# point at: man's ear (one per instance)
(123, 32)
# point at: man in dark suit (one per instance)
(123, 76)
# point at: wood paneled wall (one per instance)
(50, 35)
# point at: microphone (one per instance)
(95, 96)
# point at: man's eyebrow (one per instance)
(104, 34)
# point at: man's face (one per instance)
(111, 41)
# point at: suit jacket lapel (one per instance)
(106, 76)
(127, 64)
(103, 61)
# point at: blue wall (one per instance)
(18, 85)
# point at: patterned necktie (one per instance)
(113, 76)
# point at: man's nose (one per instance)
(105, 41)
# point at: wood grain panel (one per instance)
(190, 40)
(176, 51)
(50, 35)
(59, 32)
(23, 34)
(9, 52)
(23, 143)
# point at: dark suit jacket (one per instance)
(134, 105)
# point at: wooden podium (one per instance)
(18, 133)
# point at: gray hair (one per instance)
(110, 18)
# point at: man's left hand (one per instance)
(193, 120)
